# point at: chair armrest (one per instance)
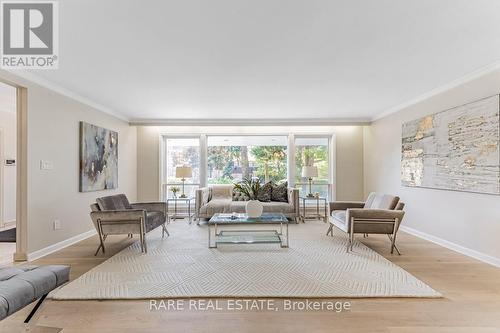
(151, 206)
(118, 215)
(374, 214)
(343, 205)
(293, 199)
(202, 196)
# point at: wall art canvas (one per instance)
(98, 158)
(456, 149)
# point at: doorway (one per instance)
(8, 172)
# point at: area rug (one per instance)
(182, 266)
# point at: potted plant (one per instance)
(250, 188)
(174, 190)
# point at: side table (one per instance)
(323, 201)
(178, 215)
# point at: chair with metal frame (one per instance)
(380, 214)
(114, 215)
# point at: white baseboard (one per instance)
(452, 246)
(61, 245)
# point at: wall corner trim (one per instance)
(66, 92)
(60, 245)
(453, 246)
(441, 89)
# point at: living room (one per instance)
(278, 166)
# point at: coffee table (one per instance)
(247, 236)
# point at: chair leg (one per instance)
(393, 244)
(141, 240)
(164, 231)
(352, 240)
(98, 248)
(330, 230)
(101, 239)
(144, 241)
(37, 305)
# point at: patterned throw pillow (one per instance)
(265, 192)
(238, 196)
(280, 192)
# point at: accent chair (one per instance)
(379, 214)
(114, 215)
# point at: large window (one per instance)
(226, 159)
(232, 158)
(180, 152)
(312, 151)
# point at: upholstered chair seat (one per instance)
(379, 214)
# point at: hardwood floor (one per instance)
(471, 300)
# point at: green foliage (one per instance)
(271, 162)
(220, 180)
(312, 155)
(248, 187)
(174, 190)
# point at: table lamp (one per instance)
(310, 171)
(183, 172)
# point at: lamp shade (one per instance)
(309, 171)
(183, 172)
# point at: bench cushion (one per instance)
(19, 286)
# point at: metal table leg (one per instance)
(326, 212)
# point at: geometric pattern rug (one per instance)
(182, 266)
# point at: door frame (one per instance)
(21, 253)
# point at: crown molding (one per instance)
(439, 90)
(65, 92)
(252, 122)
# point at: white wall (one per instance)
(53, 134)
(8, 128)
(349, 153)
(467, 220)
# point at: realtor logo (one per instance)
(29, 35)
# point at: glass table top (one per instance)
(265, 218)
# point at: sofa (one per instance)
(22, 285)
(219, 199)
(114, 215)
(379, 214)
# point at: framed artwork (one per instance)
(456, 149)
(98, 158)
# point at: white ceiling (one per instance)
(274, 59)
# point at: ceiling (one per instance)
(286, 59)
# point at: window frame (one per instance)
(291, 135)
(286, 135)
(330, 158)
(163, 154)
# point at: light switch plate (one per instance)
(46, 165)
(57, 224)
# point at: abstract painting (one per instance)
(98, 158)
(456, 149)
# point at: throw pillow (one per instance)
(280, 192)
(238, 196)
(265, 192)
